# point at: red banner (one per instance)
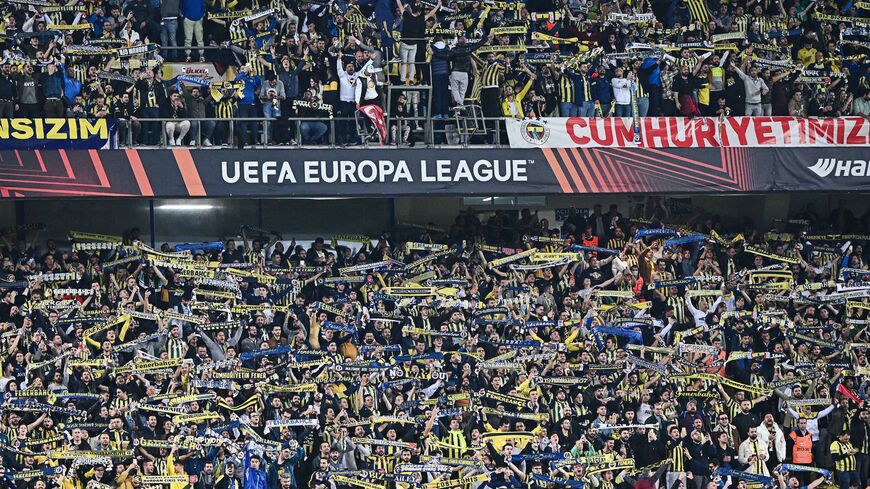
(701, 132)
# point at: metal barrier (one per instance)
(467, 126)
(460, 131)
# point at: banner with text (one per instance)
(678, 132)
(183, 173)
(73, 133)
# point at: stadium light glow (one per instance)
(186, 207)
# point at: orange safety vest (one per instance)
(803, 448)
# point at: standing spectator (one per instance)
(196, 104)
(129, 126)
(288, 74)
(755, 90)
(797, 106)
(859, 431)
(141, 14)
(193, 12)
(347, 102)
(861, 105)
(669, 100)
(845, 464)
(225, 109)
(585, 105)
(640, 88)
(602, 92)
(413, 34)
(71, 85)
(683, 86)
(51, 84)
(512, 105)
(169, 12)
(272, 95)
(399, 114)
(567, 94)
(152, 96)
(547, 87)
(26, 86)
(440, 78)
(821, 106)
(129, 34)
(460, 65)
(622, 87)
(248, 130)
(7, 92)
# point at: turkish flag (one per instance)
(376, 115)
(842, 389)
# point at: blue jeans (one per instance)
(848, 478)
(567, 109)
(642, 106)
(246, 129)
(440, 95)
(345, 131)
(207, 128)
(169, 37)
(312, 131)
(622, 110)
(586, 109)
(655, 101)
(271, 112)
(150, 130)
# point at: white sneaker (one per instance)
(178, 142)
(171, 142)
(192, 142)
(206, 142)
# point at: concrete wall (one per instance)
(731, 209)
(308, 218)
(223, 219)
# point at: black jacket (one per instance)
(460, 58)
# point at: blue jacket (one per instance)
(254, 478)
(97, 25)
(579, 80)
(193, 9)
(71, 86)
(602, 92)
(252, 85)
(52, 85)
(652, 69)
(441, 61)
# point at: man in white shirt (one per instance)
(772, 437)
(345, 132)
(622, 92)
(755, 88)
(754, 453)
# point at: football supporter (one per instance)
(592, 59)
(492, 354)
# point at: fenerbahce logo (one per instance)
(840, 168)
(535, 131)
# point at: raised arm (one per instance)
(434, 10)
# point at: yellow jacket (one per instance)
(518, 101)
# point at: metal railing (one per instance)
(340, 131)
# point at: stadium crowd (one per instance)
(611, 353)
(317, 59)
